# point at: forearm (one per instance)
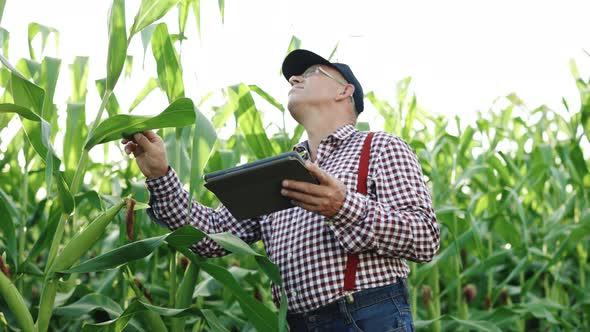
(169, 207)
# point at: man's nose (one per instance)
(295, 79)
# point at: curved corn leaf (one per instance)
(267, 97)
(196, 4)
(117, 43)
(45, 31)
(179, 114)
(79, 76)
(204, 138)
(119, 256)
(2, 5)
(146, 38)
(149, 87)
(47, 80)
(119, 322)
(477, 325)
(294, 44)
(4, 38)
(149, 12)
(236, 245)
(169, 73)
(7, 222)
(128, 66)
(249, 121)
(183, 10)
(76, 132)
(89, 303)
(113, 107)
(283, 312)
(38, 133)
(213, 321)
(222, 10)
(261, 317)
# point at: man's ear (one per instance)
(346, 92)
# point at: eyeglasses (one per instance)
(317, 69)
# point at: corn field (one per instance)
(78, 251)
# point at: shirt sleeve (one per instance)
(168, 208)
(401, 222)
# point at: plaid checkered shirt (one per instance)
(394, 222)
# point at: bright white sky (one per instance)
(461, 54)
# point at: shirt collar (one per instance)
(340, 134)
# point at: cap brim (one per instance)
(298, 61)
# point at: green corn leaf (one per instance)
(79, 77)
(146, 37)
(267, 97)
(196, 4)
(249, 121)
(185, 236)
(149, 87)
(44, 240)
(89, 303)
(149, 12)
(283, 312)
(222, 10)
(477, 325)
(179, 114)
(204, 138)
(120, 322)
(236, 245)
(7, 221)
(184, 294)
(363, 126)
(128, 66)
(169, 72)
(45, 31)
(294, 44)
(261, 317)
(183, 11)
(48, 81)
(4, 38)
(2, 5)
(172, 312)
(333, 51)
(117, 43)
(113, 107)
(182, 237)
(38, 133)
(119, 256)
(213, 321)
(299, 130)
(76, 132)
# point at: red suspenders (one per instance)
(353, 259)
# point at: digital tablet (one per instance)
(254, 189)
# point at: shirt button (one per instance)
(289, 255)
(294, 294)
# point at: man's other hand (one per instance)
(149, 151)
(325, 199)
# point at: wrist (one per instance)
(159, 173)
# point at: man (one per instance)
(333, 224)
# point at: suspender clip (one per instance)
(349, 298)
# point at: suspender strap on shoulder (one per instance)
(353, 259)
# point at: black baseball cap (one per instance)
(299, 60)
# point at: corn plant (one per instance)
(510, 191)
